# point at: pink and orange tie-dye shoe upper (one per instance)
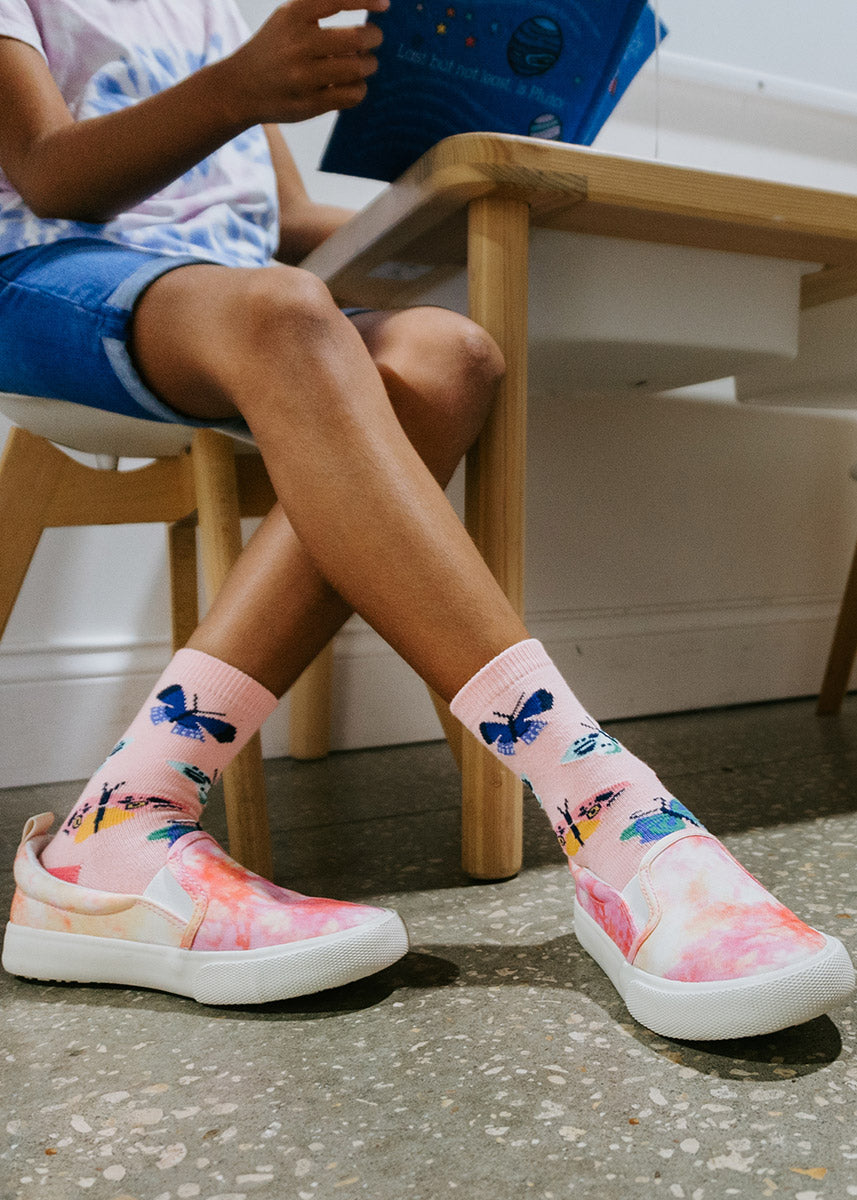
(204, 927)
(699, 949)
(218, 905)
(243, 911)
(704, 916)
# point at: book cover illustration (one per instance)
(550, 69)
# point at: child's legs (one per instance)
(276, 612)
(272, 345)
(372, 521)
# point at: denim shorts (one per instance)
(65, 320)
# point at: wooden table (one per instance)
(472, 201)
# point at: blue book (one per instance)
(552, 71)
(639, 49)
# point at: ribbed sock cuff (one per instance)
(239, 694)
(477, 696)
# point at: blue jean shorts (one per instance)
(65, 322)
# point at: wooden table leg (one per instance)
(497, 255)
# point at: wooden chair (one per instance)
(196, 478)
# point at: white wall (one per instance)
(681, 552)
(809, 40)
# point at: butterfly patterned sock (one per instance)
(153, 786)
(606, 805)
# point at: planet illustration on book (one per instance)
(553, 72)
(535, 46)
(547, 125)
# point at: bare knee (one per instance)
(441, 372)
(283, 306)
(475, 358)
(435, 344)
(281, 326)
(208, 339)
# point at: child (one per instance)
(146, 194)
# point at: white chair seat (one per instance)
(91, 431)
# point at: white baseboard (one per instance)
(61, 709)
(638, 664)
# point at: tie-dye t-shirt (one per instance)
(107, 54)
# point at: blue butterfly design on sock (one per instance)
(173, 831)
(190, 722)
(657, 823)
(197, 776)
(520, 725)
(596, 742)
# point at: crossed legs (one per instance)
(358, 434)
(361, 425)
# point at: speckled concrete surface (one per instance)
(495, 1060)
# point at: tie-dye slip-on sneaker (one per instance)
(204, 927)
(699, 950)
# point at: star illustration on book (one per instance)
(441, 28)
(450, 12)
(470, 41)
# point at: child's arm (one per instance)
(91, 170)
(304, 223)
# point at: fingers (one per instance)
(296, 68)
(330, 99)
(343, 72)
(316, 10)
(344, 97)
(313, 81)
(344, 40)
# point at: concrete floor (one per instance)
(495, 1060)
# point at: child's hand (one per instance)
(292, 68)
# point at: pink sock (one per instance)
(605, 805)
(153, 786)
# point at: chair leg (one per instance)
(309, 708)
(453, 729)
(25, 495)
(842, 651)
(244, 793)
(184, 607)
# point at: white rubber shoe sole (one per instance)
(211, 977)
(730, 1008)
